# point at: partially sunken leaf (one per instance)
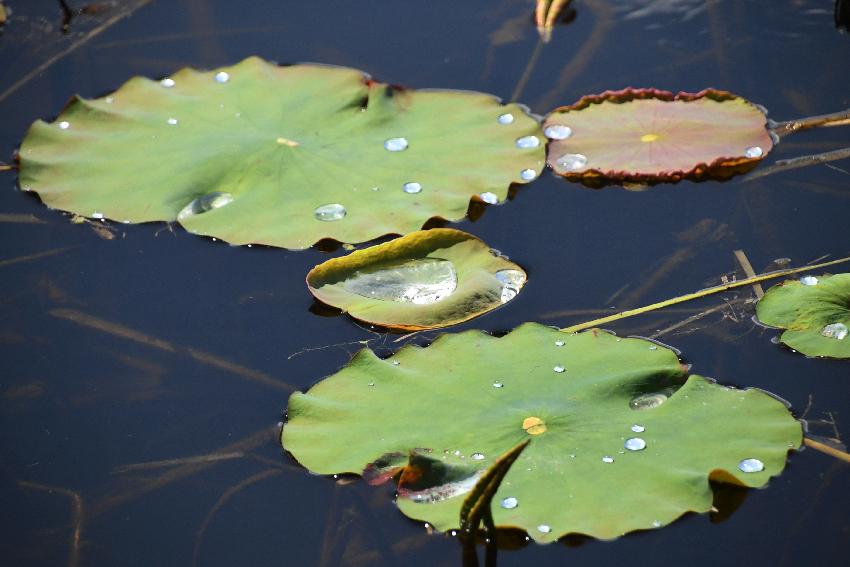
(283, 156)
(427, 279)
(647, 136)
(630, 442)
(814, 310)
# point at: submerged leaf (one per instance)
(609, 460)
(647, 136)
(427, 279)
(814, 310)
(284, 156)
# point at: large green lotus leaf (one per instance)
(284, 156)
(582, 398)
(648, 136)
(815, 311)
(427, 279)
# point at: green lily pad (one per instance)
(621, 438)
(427, 279)
(647, 136)
(283, 156)
(815, 311)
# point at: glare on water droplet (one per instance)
(395, 144)
(172, 121)
(396, 362)
(751, 465)
(506, 118)
(205, 203)
(559, 369)
(109, 100)
(558, 132)
(638, 428)
(559, 343)
(656, 524)
(527, 174)
(64, 125)
(835, 331)
(477, 456)
(635, 444)
(509, 503)
(528, 142)
(421, 282)
(648, 401)
(498, 385)
(412, 187)
(809, 280)
(489, 198)
(512, 282)
(607, 459)
(330, 212)
(571, 162)
(97, 215)
(653, 347)
(167, 83)
(544, 529)
(222, 77)
(754, 152)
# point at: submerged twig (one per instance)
(77, 515)
(203, 357)
(36, 256)
(748, 271)
(227, 495)
(826, 449)
(175, 462)
(698, 294)
(18, 218)
(797, 162)
(546, 14)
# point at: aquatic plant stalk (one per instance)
(697, 295)
(841, 118)
(827, 450)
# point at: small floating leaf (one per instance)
(815, 311)
(647, 136)
(427, 279)
(585, 470)
(283, 156)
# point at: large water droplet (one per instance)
(412, 187)
(64, 125)
(420, 282)
(506, 118)
(559, 369)
(527, 174)
(204, 203)
(222, 77)
(527, 142)
(835, 331)
(751, 465)
(509, 503)
(167, 83)
(607, 459)
(638, 428)
(754, 152)
(635, 444)
(544, 529)
(809, 280)
(558, 132)
(512, 282)
(648, 401)
(571, 162)
(489, 198)
(330, 212)
(396, 144)
(477, 456)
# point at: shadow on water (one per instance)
(146, 370)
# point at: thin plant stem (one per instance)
(797, 162)
(826, 449)
(841, 118)
(697, 295)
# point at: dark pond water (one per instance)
(153, 344)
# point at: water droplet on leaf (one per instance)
(527, 142)
(421, 282)
(512, 282)
(489, 198)
(509, 503)
(412, 187)
(809, 280)
(635, 444)
(558, 132)
(754, 152)
(222, 77)
(330, 212)
(835, 331)
(571, 162)
(648, 401)
(396, 144)
(751, 465)
(506, 118)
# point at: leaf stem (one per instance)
(826, 449)
(698, 294)
(841, 118)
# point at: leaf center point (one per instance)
(649, 138)
(533, 425)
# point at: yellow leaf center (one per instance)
(287, 142)
(649, 137)
(533, 425)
